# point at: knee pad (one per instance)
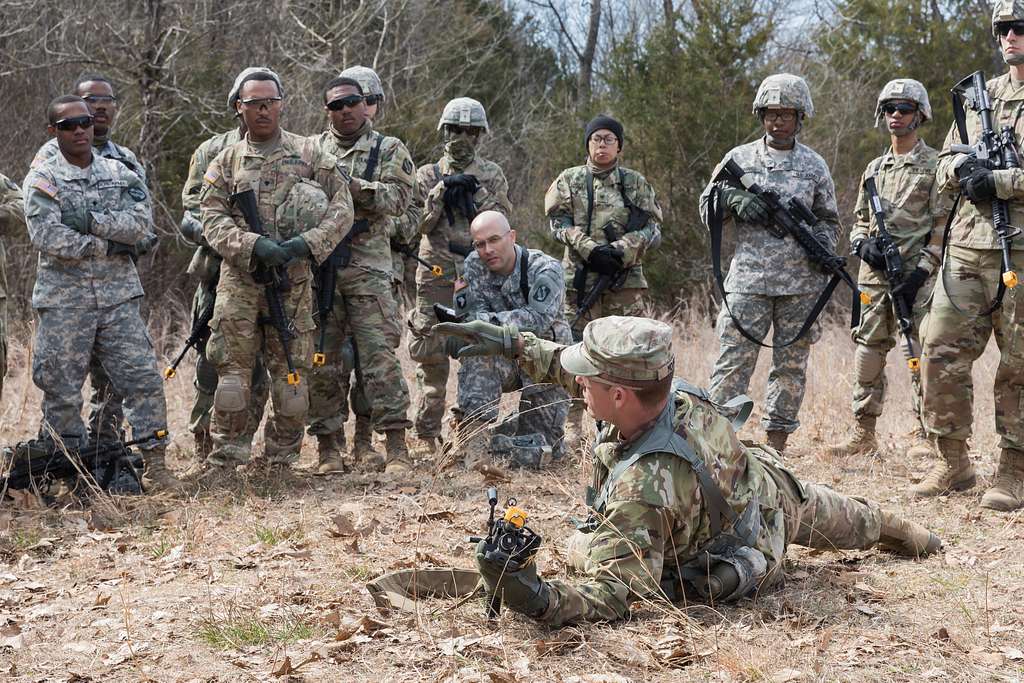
(232, 395)
(292, 399)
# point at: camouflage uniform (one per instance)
(437, 234)
(363, 307)
(205, 267)
(274, 169)
(105, 411)
(86, 301)
(566, 206)
(953, 341)
(485, 295)
(652, 518)
(12, 221)
(771, 282)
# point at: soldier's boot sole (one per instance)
(943, 479)
(904, 537)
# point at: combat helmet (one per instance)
(368, 80)
(904, 89)
(464, 111)
(236, 87)
(303, 206)
(784, 91)
(1006, 10)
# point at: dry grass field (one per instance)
(263, 580)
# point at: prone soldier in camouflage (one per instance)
(205, 267)
(588, 208)
(85, 214)
(952, 340)
(915, 212)
(105, 412)
(771, 282)
(507, 284)
(304, 201)
(678, 503)
(461, 182)
(381, 186)
(12, 222)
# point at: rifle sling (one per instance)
(715, 219)
(524, 274)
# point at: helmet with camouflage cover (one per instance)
(784, 91)
(303, 206)
(368, 80)
(1006, 10)
(236, 87)
(904, 89)
(464, 111)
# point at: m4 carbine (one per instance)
(326, 282)
(200, 332)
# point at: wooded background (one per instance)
(679, 74)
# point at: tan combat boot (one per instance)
(777, 439)
(953, 471)
(920, 446)
(203, 443)
(398, 459)
(329, 449)
(861, 442)
(905, 537)
(157, 477)
(1007, 490)
(364, 455)
(423, 448)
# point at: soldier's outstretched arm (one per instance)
(131, 221)
(46, 229)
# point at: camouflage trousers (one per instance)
(66, 340)
(737, 356)
(3, 344)
(206, 387)
(953, 341)
(428, 352)
(542, 407)
(363, 316)
(875, 335)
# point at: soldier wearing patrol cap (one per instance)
(961, 317)
(650, 530)
(461, 184)
(915, 212)
(771, 282)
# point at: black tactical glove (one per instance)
(144, 246)
(969, 166)
(909, 288)
(746, 206)
(269, 253)
(979, 186)
(868, 252)
(191, 228)
(296, 247)
(121, 249)
(458, 196)
(484, 339)
(464, 180)
(605, 259)
(519, 587)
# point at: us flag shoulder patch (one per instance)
(46, 188)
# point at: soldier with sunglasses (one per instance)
(85, 214)
(915, 212)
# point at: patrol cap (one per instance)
(240, 78)
(633, 352)
(784, 91)
(367, 78)
(1006, 10)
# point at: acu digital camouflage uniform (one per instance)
(437, 234)
(105, 412)
(566, 206)
(482, 294)
(651, 526)
(12, 221)
(771, 282)
(275, 170)
(86, 301)
(952, 341)
(363, 306)
(205, 267)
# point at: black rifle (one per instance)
(407, 251)
(508, 541)
(200, 332)
(326, 282)
(894, 275)
(108, 462)
(996, 151)
(274, 281)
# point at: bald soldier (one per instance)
(678, 503)
(504, 283)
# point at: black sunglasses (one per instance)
(346, 102)
(83, 122)
(891, 108)
(1003, 27)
